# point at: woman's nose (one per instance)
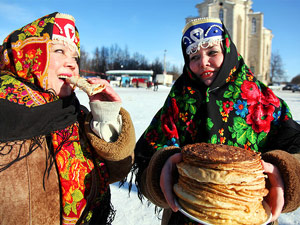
(204, 61)
(71, 62)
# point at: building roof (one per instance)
(129, 72)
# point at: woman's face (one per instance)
(63, 62)
(206, 62)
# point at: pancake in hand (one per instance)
(221, 184)
(83, 84)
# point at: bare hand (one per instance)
(168, 172)
(275, 198)
(108, 94)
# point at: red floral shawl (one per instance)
(34, 112)
(236, 110)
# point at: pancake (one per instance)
(83, 84)
(221, 184)
(213, 153)
(218, 176)
(231, 216)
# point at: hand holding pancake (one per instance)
(222, 184)
(167, 179)
(107, 94)
(96, 88)
(275, 198)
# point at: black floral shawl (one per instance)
(237, 109)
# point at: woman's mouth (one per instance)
(207, 74)
(64, 76)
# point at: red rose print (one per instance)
(227, 42)
(191, 127)
(168, 126)
(227, 107)
(270, 98)
(41, 23)
(260, 117)
(175, 109)
(32, 29)
(250, 92)
(31, 53)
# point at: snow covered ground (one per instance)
(142, 104)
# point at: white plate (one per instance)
(266, 206)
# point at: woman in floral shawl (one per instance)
(57, 159)
(218, 100)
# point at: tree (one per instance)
(277, 70)
(84, 60)
(157, 67)
(115, 58)
(175, 72)
(95, 63)
(296, 79)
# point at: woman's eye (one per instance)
(59, 51)
(194, 58)
(76, 58)
(213, 52)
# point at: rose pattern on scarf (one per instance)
(25, 65)
(227, 43)
(250, 107)
(17, 92)
(236, 110)
(75, 165)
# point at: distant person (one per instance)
(155, 86)
(57, 158)
(218, 100)
(149, 84)
(137, 83)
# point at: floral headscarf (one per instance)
(30, 111)
(236, 109)
(25, 52)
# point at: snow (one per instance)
(142, 104)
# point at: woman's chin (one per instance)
(65, 92)
(208, 81)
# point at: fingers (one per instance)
(273, 174)
(275, 198)
(96, 80)
(108, 94)
(167, 179)
(167, 187)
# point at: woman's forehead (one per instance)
(65, 46)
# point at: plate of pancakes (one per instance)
(221, 184)
(265, 205)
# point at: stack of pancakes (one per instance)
(221, 184)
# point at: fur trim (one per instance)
(289, 168)
(119, 155)
(151, 176)
(65, 16)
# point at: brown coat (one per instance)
(288, 165)
(23, 198)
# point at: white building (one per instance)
(165, 79)
(129, 77)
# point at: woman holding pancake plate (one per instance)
(57, 158)
(218, 100)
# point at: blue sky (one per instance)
(151, 26)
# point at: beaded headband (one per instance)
(64, 30)
(201, 33)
